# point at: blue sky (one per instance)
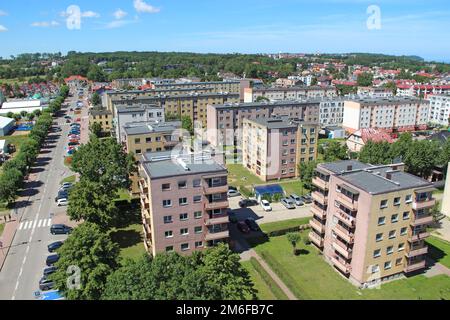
(413, 27)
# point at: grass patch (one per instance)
(70, 179)
(439, 250)
(240, 176)
(310, 277)
(130, 241)
(124, 195)
(2, 227)
(293, 186)
(270, 283)
(263, 291)
(17, 140)
(282, 225)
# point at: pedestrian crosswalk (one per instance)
(32, 224)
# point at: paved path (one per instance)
(436, 269)
(444, 230)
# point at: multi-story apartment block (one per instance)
(440, 109)
(272, 148)
(124, 115)
(103, 117)
(225, 121)
(184, 202)
(331, 112)
(370, 221)
(291, 93)
(389, 114)
(446, 198)
(375, 92)
(125, 83)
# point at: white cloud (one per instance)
(142, 6)
(3, 13)
(90, 14)
(3, 29)
(118, 24)
(119, 14)
(45, 24)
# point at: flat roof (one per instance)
(21, 104)
(294, 88)
(178, 96)
(149, 127)
(386, 100)
(135, 107)
(282, 122)
(265, 104)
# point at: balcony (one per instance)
(415, 266)
(143, 185)
(316, 225)
(220, 204)
(170, 143)
(318, 212)
(216, 235)
(341, 265)
(344, 234)
(147, 232)
(342, 249)
(319, 197)
(215, 189)
(421, 221)
(216, 220)
(316, 239)
(144, 202)
(419, 236)
(423, 204)
(347, 202)
(346, 218)
(320, 183)
(414, 252)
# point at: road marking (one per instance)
(21, 225)
(35, 222)
(38, 223)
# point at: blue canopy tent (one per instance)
(270, 190)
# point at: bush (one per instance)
(246, 192)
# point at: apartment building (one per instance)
(331, 111)
(103, 117)
(272, 148)
(184, 202)
(124, 115)
(370, 221)
(125, 83)
(225, 121)
(290, 93)
(446, 198)
(375, 92)
(440, 109)
(191, 105)
(388, 114)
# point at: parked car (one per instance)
(52, 247)
(233, 193)
(52, 259)
(68, 121)
(46, 284)
(251, 223)
(242, 226)
(307, 198)
(288, 203)
(75, 124)
(232, 216)
(60, 229)
(266, 205)
(73, 143)
(62, 194)
(232, 188)
(244, 203)
(67, 184)
(78, 120)
(298, 200)
(49, 270)
(67, 117)
(62, 202)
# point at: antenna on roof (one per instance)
(183, 164)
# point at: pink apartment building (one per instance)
(184, 202)
(370, 221)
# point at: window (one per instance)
(398, 261)
(198, 244)
(375, 268)
(182, 201)
(196, 183)
(217, 197)
(165, 186)
(408, 198)
(389, 250)
(168, 219)
(149, 150)
(397, 201)
(184, 246)
(379, 237)
(405, 215)
(138, 151)
(403, 231)
(401, 247)
(198, 229)
(169, 248)
(198, 215)
(394, 218)
(158, 139)
(167, 203)
(392, 234)
(377, 253)
(183, 216)
(137, 140)
(148, 139)
(381, 221)
(387, 265)
(182, 184)
(168, 234)
(184, 231)
(383, 204)
(197, 199)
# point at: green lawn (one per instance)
(239, 176)
(2, 226)
(310, 277)
(439, 250)
(293, 186)
(263, 290)
(129, 240)
(124, 194)
(15, 140)
(285, 224)
(70, 179)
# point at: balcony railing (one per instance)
(342, 249)
(217, 235)
(415, 266)
(422, 220)
(219, 204)
(143, 187)
(320, 183)
(344, 234)
(316, 225)
(341, 265)
(319, 197)
(144, 202)
(318, 212)
(345, 218)
(215, 189)
(217, 220)
(414, 252)
(349, 203)
(316, 239)
(419, 236)
(424, 204)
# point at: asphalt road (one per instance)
(19, 278)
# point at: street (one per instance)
(22, 270)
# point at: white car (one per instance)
(266, 205)
(233, 193)
(62, 202)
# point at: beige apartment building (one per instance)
(370, 221)
(103, 117)
(225, 122)
(272, 148)
(184, 202)
(394, 114)
(289, 93)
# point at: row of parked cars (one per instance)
(63, 194)
(294, 200)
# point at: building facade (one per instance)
(291, 93)
(446, 198)
(103, 117)
(370, 221)
(440, 109)
(273, 148)
(184, 202)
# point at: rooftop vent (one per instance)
(349, 168)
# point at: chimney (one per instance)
(349, 167)
(389, 176)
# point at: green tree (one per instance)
(400, 147)
(335, 150)
(306, 170)
(293, 238)
(96, 100)
(421, 158)
(10, 182)
(92, 251)
(376, 153)
(365, 79)
(186, 124)
(96, 129)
